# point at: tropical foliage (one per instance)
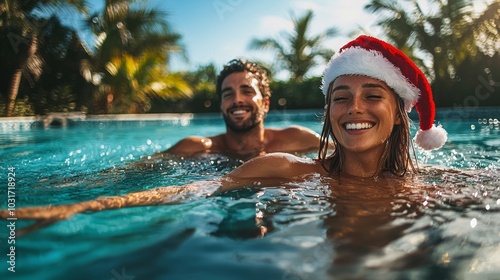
(299, 52)
(130, 83)
(53, 70)
(60, 87)
(20, 27)
(449, 35)
(204, 98)
(45, 67)
(134, 45)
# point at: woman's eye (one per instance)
(374, 96)
(339, 98)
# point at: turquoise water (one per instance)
(443, 225)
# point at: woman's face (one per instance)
(363, 112)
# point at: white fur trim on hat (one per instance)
(431, 139)
(359, 61)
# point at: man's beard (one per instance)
(254, 120)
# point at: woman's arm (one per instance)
(277, 166)
(161, 195)
(269, 169)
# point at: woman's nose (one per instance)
(356, 106)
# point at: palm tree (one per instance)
(300, 52)
(127, 40)
(449, 34)
(131, 83)
(61, 86)
(485, 29)
(20, 24)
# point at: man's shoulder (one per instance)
(292, 139)
(191, 145)
(190, 140)
(291, 128)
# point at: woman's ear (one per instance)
(397, 119)
(400, 105)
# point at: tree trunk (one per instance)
(13, 90)
(28, 64)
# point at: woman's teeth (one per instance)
(353, 126)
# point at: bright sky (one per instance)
(220, 30)
(216, 31)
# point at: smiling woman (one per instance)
(363, 113)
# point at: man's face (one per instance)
(242, 104)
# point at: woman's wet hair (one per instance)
(242, 65)
(396, 158)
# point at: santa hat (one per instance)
(377, 59)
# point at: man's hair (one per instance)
(396, 157)
(242, 65)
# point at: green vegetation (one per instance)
(131, 58)
(47, 68)
(22, 44)
(299, 52)
(463, 46)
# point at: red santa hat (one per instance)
(377, 59)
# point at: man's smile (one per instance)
(239, 111)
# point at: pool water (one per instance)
(443, 224)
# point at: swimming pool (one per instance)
(446, 228)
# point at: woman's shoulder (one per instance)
(278, 164)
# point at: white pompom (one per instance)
(431, 139)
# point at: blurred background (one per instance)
(134, 57)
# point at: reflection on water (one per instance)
(441, 224)
(406, 228)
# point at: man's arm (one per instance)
(277, 165)
(272, 165)
(269, 168)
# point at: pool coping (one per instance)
(65, 119)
